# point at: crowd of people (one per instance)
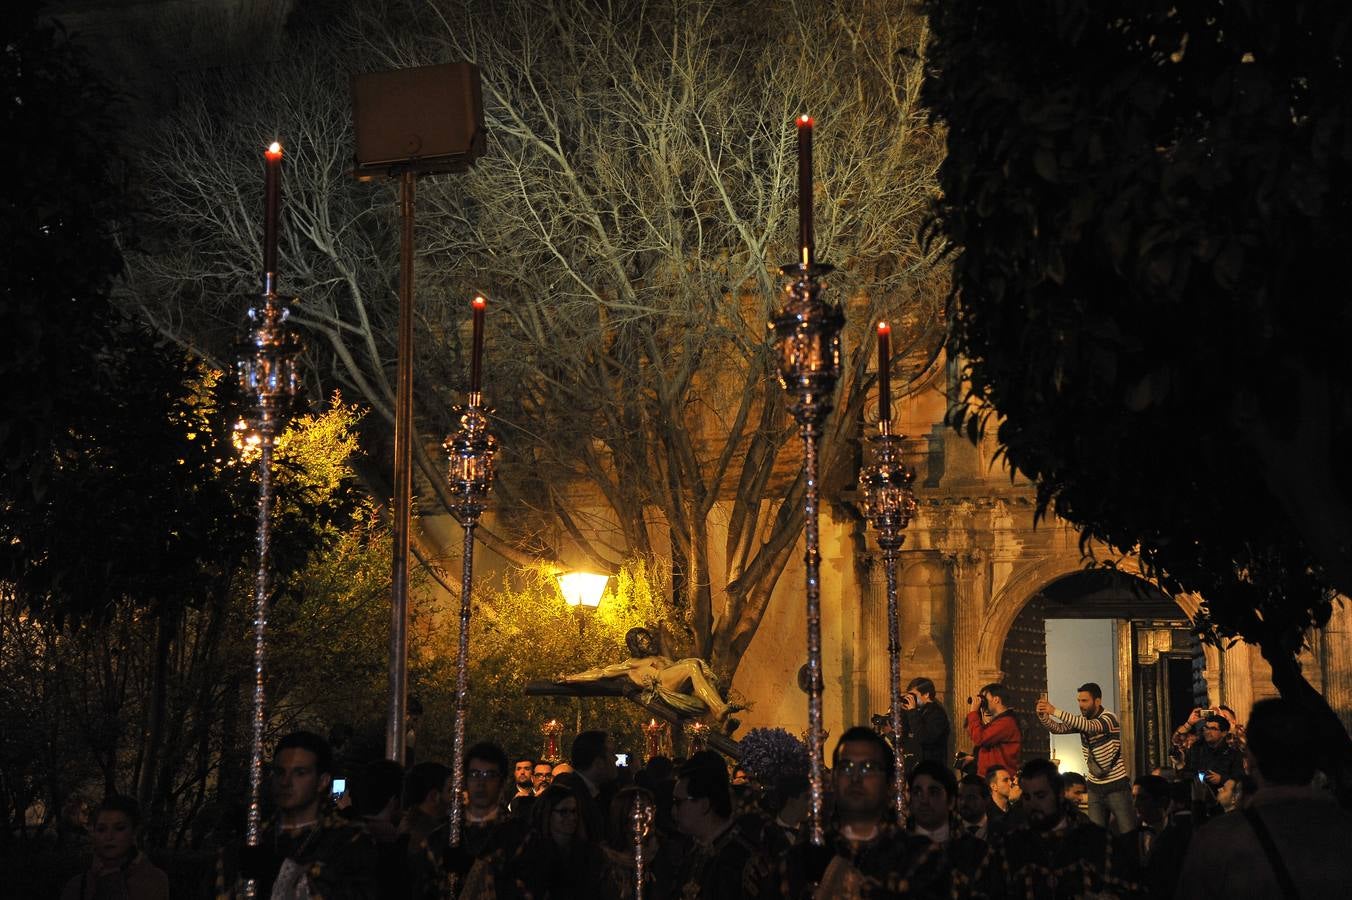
(1237, 814)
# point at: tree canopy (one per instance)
(627, 221)
(1146, 205)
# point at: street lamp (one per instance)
(582, 591)
(583, 588)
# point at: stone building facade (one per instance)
(976, 581)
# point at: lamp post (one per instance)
(582, 591)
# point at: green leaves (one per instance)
(1144, 201)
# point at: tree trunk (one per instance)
(1333, 745)
(158, 701)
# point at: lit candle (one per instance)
(884, 374)
(271, 205)
(477, 352)
(805, 189)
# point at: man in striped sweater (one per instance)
(1101, 740)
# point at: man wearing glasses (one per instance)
(486, 829)
(541, 777)
(1212, 761)
(866, 853)
(723, 861)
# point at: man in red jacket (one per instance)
(994, 730)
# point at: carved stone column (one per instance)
(1236, 680)
(969, 603)
(1126, 691)
(1336, 659)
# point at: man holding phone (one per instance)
(1101, 742)
(1212, 761)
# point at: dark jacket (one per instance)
(925, 734)
(1311, 834)
(139, 879)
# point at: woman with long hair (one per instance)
(558, 860)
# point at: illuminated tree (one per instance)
(635, 201)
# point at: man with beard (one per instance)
(542, 776)
(1059, 853)
(1101, 743)
(976, 872)
(974, 795)
(866, 852)
(523, 769)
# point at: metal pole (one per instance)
(888, 503)
(812, 559)
(461, 685)
(470, 452)
(395, 735)
(894, 669)
(640, 820)
(267, 372)
(260, 624)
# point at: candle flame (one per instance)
(479, 301)
(884, 328)
(274, 150)
(805, 119)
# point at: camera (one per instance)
(621, 759)
(908, 700)
(1201, 777)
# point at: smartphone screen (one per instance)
(621, 759)
(339, 786)
(1201, 776)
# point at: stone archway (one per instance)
(1006, 604)
(1147, 641)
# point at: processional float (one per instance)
(269, 377)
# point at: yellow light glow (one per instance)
(583, 588)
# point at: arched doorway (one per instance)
(1114, 628)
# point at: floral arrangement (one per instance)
(768, 753)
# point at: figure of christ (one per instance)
(671, 681)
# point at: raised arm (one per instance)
(615, 670)
(1053, 724)
(999, 730)
(1075, 722)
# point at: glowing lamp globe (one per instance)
(583, 588)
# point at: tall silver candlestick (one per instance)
(470, 451)
(889, 504)
(268, 374)
(807, 336)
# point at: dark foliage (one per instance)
(1147, 205)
